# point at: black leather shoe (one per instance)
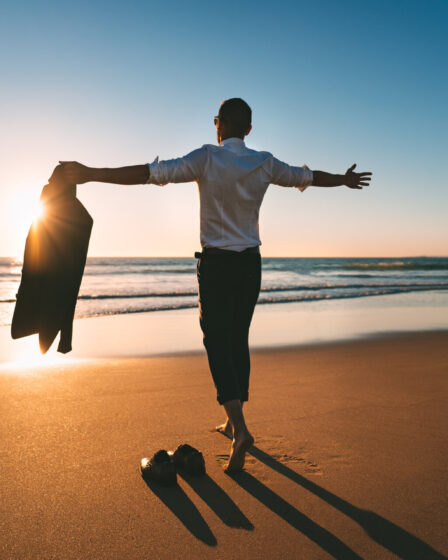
(159, 468)
(190, 459)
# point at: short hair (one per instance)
(237, 114)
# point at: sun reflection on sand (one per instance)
(29, 358)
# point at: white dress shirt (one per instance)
(232, 181)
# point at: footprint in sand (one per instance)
(311, 467)
(223, 458)
(272, 446)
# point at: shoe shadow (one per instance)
(218, 501)
(390, 536)
(184, 509)
(318, 534)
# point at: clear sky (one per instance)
(330, 83)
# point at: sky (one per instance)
(330, 84)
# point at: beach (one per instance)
(348, 407)
(349, 460)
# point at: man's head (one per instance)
(233, 119)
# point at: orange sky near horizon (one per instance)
(308, 229)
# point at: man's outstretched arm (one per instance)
(77, 173)
(350, 179)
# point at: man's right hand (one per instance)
(76, 173)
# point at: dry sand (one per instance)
(349, 462)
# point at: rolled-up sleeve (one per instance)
(179, 170)
(286, 175)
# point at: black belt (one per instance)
(216, 251)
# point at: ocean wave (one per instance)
(263, 300)
(138, 296)
(89, 271)
(431, 286)
(267, 297)
(140, 270)
(390, 278)
(397, 265)
(10, 274)
(268, 290)
(11, 268)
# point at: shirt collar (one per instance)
(232, 143)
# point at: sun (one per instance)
(27, 208)
(39, 211)
(24, 209)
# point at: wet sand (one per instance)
(349, 461)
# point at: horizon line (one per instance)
(264, 256)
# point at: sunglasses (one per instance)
(215, 119)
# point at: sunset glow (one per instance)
(24, 210)
(27, 357)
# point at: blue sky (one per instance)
(330, 83)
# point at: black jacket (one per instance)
(53, 265)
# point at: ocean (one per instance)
(133, 285)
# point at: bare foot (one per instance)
(238, 450)
(225, 429)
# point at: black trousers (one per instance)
(229, 284)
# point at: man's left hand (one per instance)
(356, 180)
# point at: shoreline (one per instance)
(58, 360)
(274, 326)
(392, 292)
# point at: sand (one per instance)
(349, 461)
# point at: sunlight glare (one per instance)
(29, 357)
(39, 211)
(25, 210)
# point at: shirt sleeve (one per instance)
(179, 170)
(290, 176)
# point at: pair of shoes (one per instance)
(162, 465)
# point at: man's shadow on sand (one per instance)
(212, 494)
(390, 536)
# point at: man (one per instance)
(232, 181)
